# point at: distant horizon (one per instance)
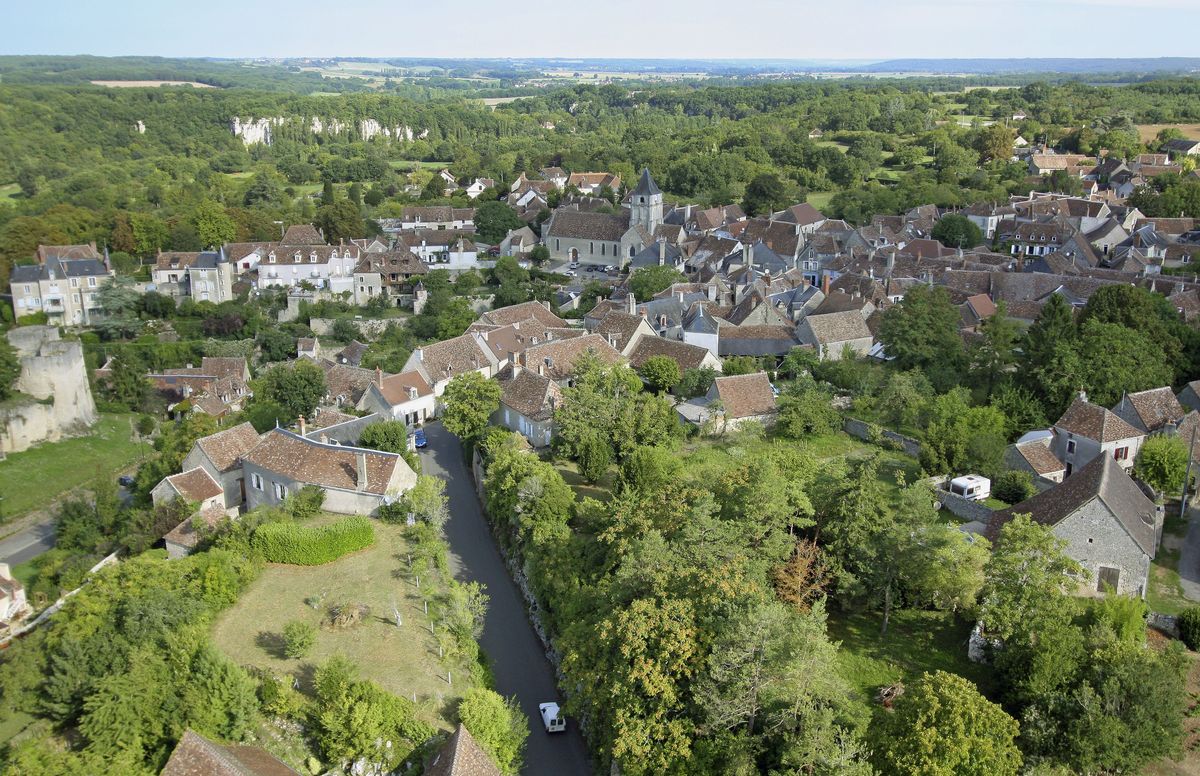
(875, 30)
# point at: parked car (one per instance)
(552, 718)
(574, 265)
(126, 481)
(610, 268)
(419, 438)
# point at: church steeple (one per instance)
(646, 203)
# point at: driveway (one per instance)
(516, 655)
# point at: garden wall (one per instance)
(863, 430)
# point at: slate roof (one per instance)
(62, 268)
(326, 465)
(1037, 454)
(225, 448)
(461, 756)
(195, 484)
(1102, 478)
(437, 213)
(531, 394)
(745, 396)
(185, 259)
(353, 353)
(686, 355)
(195, 755)
(1095, 422)
(646, 185)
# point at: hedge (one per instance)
(302, 545)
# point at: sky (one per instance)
(643, 29)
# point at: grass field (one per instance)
(1150, 131)
(916, 642)
(9, 191)
(409, 165)
(37, 476)
(820, 199)
(402, 660)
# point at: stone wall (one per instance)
(370, 327)
(54, 375)
(863, 430)
(963, 508)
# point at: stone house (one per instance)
(205, 276)
(356, 481)
(527, 405)
(63, 286)
(406, 396)
(220, 456)
(558, 358)
(196, 486)
(685, 355)
(1034, 456)
(441, 362)
(830, 334)
(461, 755)
(1111, 528)
(733, 401)
(1150, 411)
(1088, 430)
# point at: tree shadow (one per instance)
(272, 643)
(306, 677)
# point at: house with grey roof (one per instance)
(1150, 411)
(1111, 528)
(527, 404)
(62, 288)
(204, 276)
(832, 333)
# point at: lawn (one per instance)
(9, 191)
(36, 477)
(916, 642)
(410, 165)
(1149, 132)
(402, 660)
(1165, 594)
(820, 199)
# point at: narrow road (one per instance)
(1189, 557)
(29, 543)
(516, 655)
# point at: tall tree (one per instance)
(922, 333)
(298, 388)
(470, 400)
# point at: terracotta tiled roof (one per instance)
(185, 535)
(224, 448)
(686, 355)
(1095, 422)
(302, 235)
(67, 252)
(556, 360)
(1156, 407)
(325, 417)
(397, 389)
(837, 327)
(224, 367)
(1037, 454)
(454, 356)
(1102, 478)
(330, 466)
(195, 755)
(461, 756)
(517, 313)
(532, 395)
(745, 396)
(195, 484)
(618, 328)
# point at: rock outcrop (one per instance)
(54, 399)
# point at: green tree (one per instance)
(497, 724)
(1026, 581)
(645, 282)
(10, 368)
(957, 231)
(765, 195)
(275, 344)
(1013, 486)
(298, 638)
(427, 501)
(150, 234)
(922, 332)
(470, 400)
(126, 384)
(661, 373)
(344, 330)
(298, 388)
(996, 351)
(695, 382)
(494, 220)
(943, 726)
(1162, 463)
(213, 224)
(340, 220)
(739, 365)
(995, 142)
(391, 436)
(807, 412)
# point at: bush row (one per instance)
(312, 546)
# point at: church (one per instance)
(572, 234)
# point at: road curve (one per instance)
(516, 655)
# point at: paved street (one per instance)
(1189, 557)
(28, 543)
(520, 666)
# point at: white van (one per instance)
(971, 486)
(552, 718)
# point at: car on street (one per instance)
(419, 438)
(552, 718)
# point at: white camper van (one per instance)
(552, 718)
(971, 486)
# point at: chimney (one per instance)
(825, 284)
(662, 251)
(712, 292)
(749, 253)
(379, 376)
(324, 439)
(1083, 397)
(360, 482)
(303, 427)
(680, 297)
(515, 363)
(631, 303)
(643, 312)
(599, 298)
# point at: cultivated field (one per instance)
(402, 660)
(1150, 131)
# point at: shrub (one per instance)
(497, 724)
(313, 546)
(298, 638)
(1013, 487)
(1189, 627)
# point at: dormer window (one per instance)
(312, 258)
